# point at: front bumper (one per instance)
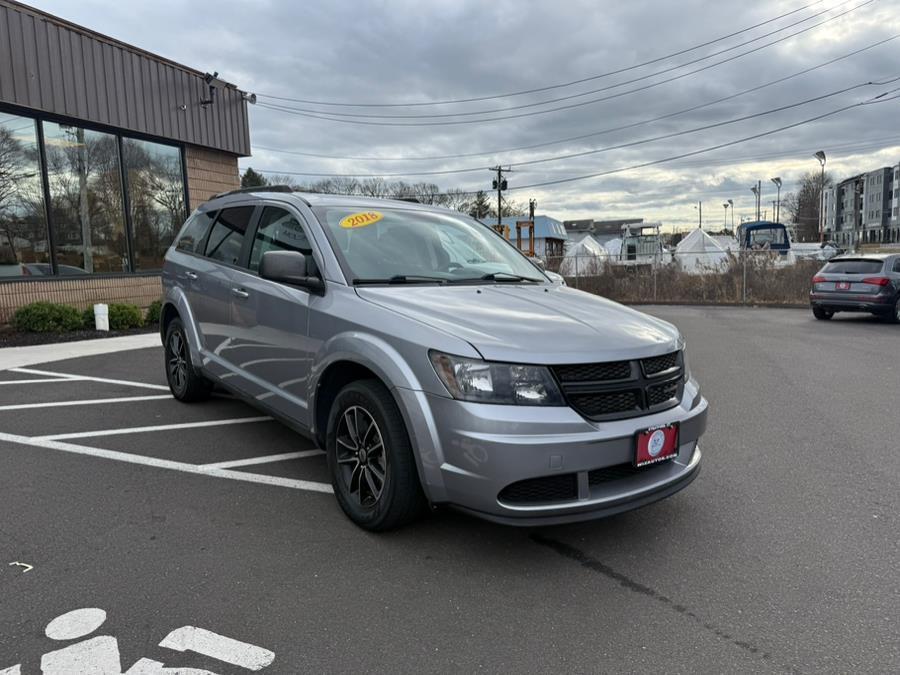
(468, 453)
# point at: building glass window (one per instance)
(155, 199)
(24, 249)
(85, 200)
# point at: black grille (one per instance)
(559, 488)
(620, 389)
(595, 405)
(609, 473)
(659, 364)
(594, 372)
(660, 393)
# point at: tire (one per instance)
(894, 317)
(185, 383)
(822, 314)
(370, 458)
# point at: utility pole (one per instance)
(701, 215)
(500, 186)
(532, 205)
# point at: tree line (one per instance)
(479, 205)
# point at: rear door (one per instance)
(213, 284)
(271, 320)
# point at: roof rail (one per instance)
(259, 188)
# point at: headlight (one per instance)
(485, 382)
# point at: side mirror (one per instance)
(290, 267)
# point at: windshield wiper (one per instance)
(506, 276)
(403, 279)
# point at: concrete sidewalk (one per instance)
(18, 357)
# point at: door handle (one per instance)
(240, 293)
(191, 275)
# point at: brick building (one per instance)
(104, 150)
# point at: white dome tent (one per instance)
(698, 253)
(583, 257)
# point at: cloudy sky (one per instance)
(411, 52)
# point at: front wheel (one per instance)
(370, 458)
(821, 314)
(185, 383)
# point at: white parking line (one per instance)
(263, 460)
(41, 381)
(156, 427)
(89, 401)
(184, 467)
(106, 380)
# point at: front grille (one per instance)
(594, 372)
(659, 364)
(563, 487)
(595, 405)
(660, 393)
(620, 389)
(609, 473)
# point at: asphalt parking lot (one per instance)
(782, 555)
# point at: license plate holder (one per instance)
(842, 286)
(656, 444)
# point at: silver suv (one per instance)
(432, 361)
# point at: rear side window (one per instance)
(897, 265)
(226, 239)
(278, 230)
(194, 231)
(851, 266)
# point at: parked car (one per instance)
(858, 283)
(428, 377)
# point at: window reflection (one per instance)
(24, 249)
(85, 200)
(156, 199)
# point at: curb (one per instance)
(19, 357)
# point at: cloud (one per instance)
(404, 51)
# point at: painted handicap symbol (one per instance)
(100, 655)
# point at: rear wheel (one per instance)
(894, 317)
(822, 314)
(185, 383)
(370, 458)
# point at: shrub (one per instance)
(47, 317)
(88, 317)
(153, 312)
(123, 317)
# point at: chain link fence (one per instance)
(740, 277)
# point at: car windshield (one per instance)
(848, 266)
(414, 246)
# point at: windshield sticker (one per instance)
(361, 219)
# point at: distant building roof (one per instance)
(602, 227)
(545, 227)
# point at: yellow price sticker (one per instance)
(361, 219)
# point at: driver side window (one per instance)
(278, 230)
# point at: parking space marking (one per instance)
(268, 459)
(89, 401)
(156, 427)
(42, 380)
(184, 467)
(90, 378)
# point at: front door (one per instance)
(271, 331)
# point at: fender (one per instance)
(175, 296)
(386, 362)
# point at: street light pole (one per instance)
(726, 216)
(820, 155)
(731, 204)
(777, 205)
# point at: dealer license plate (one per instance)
(656, 444)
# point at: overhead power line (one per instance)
(548, 87)
(593, 133)
(556, 158)
(570, 106)
(569, 97)
(884, 97)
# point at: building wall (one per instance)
(81, 292)
(208, 173)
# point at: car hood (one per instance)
(524, 323)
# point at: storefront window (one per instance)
(155, 199)
(24, 250)
(85, 200)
